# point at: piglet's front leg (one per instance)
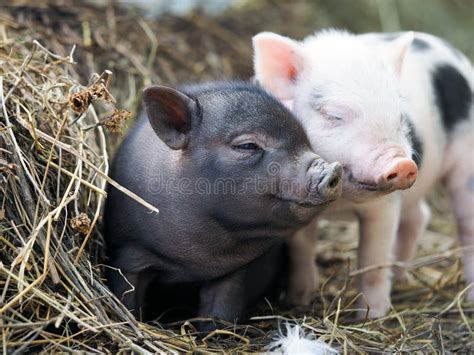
(229, 297)
(222, 299)
(378, 223)
(303, 280)
(131, 289)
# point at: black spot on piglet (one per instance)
(420, 45)
(453, 95)
(416, 143)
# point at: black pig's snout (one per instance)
(330, 185)
(326, 181)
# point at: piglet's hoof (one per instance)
(205, 326)
(376, 310)
(401, 276)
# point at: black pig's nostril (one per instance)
(334, 181)
(392, 176)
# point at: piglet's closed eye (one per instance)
(338, 112)
(171, 114)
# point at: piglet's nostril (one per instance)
(329, 188)
(334, 182)
(392, 176)
(411, 176)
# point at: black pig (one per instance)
(232, 174)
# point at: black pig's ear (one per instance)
(171, 114)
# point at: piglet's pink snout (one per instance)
(400, 175)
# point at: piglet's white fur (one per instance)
(366, 100)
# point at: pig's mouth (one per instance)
(304, 204)
(361, 184)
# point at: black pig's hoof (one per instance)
(206, 326)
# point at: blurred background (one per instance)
(171, 41)
(451, 19)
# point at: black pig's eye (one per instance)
(246, 146)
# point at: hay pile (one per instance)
(53, 166)
(54, 163)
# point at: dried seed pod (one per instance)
(99, 91)
(79, 102)
(81, 223)
(114, 121)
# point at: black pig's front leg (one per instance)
(229, 297)
(223, 299)
(131, 291)
(132, 283)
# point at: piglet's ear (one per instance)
(277, 62)
(171, 114)
(397, 51)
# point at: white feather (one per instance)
(295, 341)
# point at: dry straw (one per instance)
(53, 167)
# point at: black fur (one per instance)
(453, 95)
(420, 45)
(416, 143)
